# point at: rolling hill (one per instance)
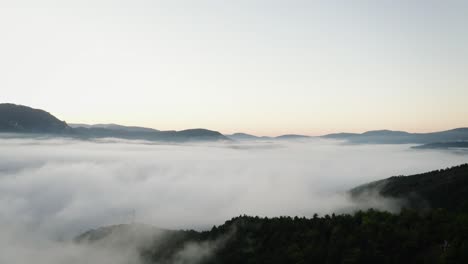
(401, 137)
(26, 120)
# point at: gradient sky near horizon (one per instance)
(256, 66)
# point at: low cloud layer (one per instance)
(54, 189)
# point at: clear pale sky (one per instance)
(262, 67)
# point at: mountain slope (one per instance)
(446, 189)
(23, 119)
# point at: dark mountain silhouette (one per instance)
(401, 137)
(26, 120)
(23, 119)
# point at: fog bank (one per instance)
(54, 189)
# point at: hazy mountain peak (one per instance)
(20, 118)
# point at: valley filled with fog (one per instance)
(62, 187)
(52, 190)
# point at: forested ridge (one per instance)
(431, 235)
(437, 236)
(365, 237)
(445, 188)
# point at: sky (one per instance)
(256, 66)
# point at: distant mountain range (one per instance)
(401, 137)
(123, 132)
(23, 119)
(453, 138)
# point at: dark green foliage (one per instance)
(447, 188)
(436, 236)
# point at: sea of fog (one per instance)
(54, 189)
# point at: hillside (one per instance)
(23, 119)
(401, 137)
(150, 135)
(447, 188)
(365, 237)
(437, 234)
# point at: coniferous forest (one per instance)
(428, 235)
